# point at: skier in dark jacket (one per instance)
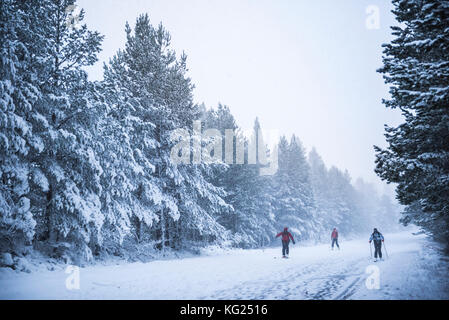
(334, 238)
(378, 238)
(286, 236)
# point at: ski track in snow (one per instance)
(414, 270)
(322, 280)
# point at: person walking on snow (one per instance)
(286, 236)
(334, 238)
(378, 238)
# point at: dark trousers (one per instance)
(335, 241)
(378, 249)
(285, 247)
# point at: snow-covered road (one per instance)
(413, 271)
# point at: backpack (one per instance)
(377, 236)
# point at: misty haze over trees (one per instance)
(86, 170)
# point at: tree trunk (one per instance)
(163, 230)
(51, 230)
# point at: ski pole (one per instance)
(386, 252)
(370, 250)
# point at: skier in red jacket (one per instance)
(286, 236)
(334, 238)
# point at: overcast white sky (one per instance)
(303, 67)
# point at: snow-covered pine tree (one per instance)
(344, 201)
(158, 95)
(221, 119)
(416, 65)
(254, 194)
(63, 120)
(47, 127)
(252, 219)
(295, 206)
(131, 195)
(18, 94)
(326, 218)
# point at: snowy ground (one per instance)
(414, 270)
